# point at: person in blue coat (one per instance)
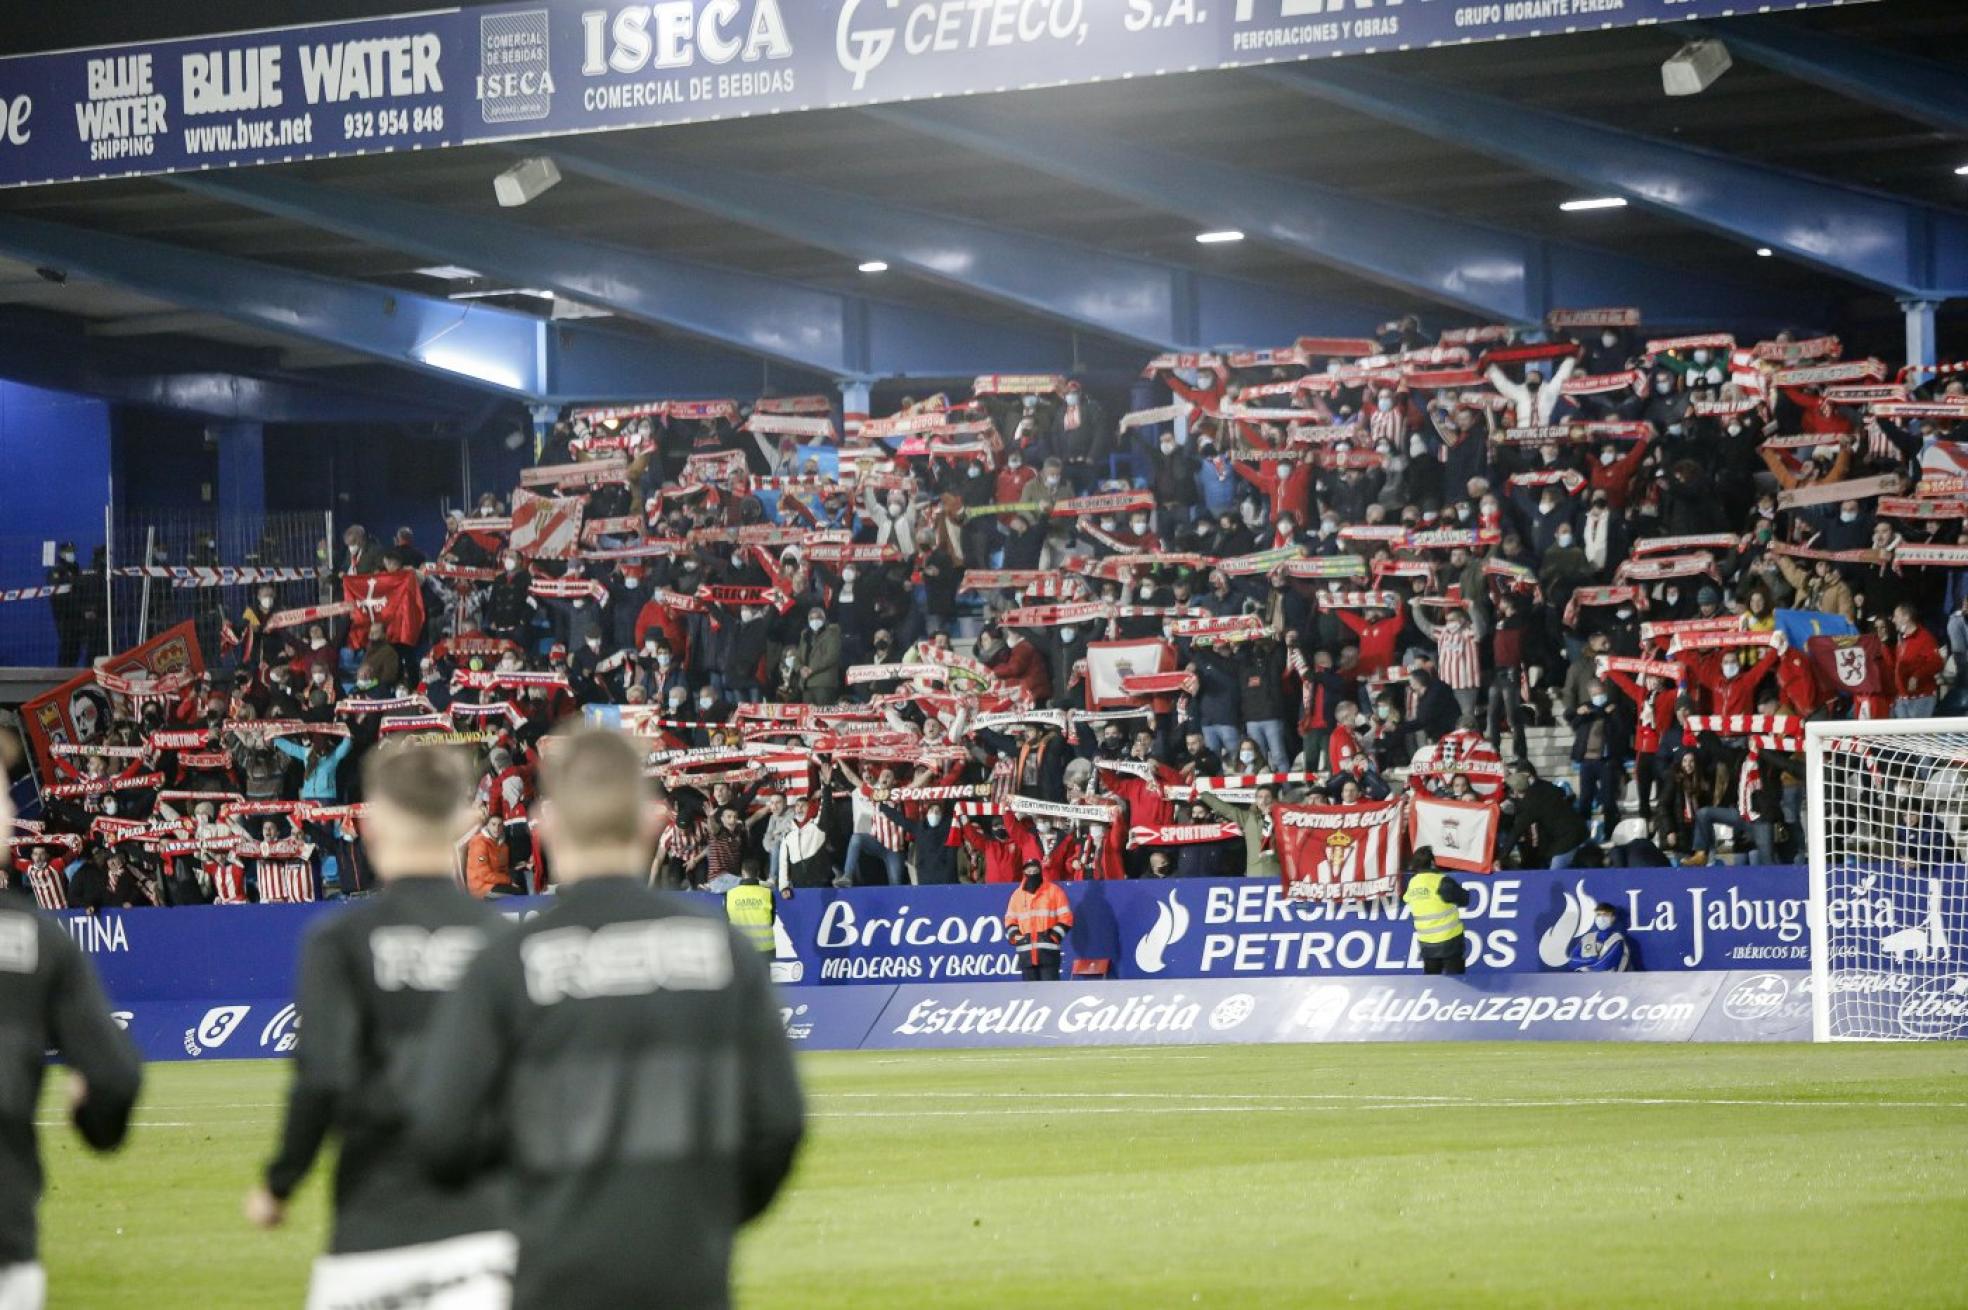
(1603, 948)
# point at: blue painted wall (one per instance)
(54, 479)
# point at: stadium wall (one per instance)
(218, 982)
(54, 455)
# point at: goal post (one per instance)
(1886, 825)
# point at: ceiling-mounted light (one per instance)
(1222, 236)
(526, 180)
(1593, 202)
(1694, 67)
(874, 266)
(1764, 252)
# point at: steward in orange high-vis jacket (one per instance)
(1037, 921)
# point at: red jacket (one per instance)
(1647, 728)
(1376, 640)
(1001, 858)
(1024, 665)
(1916, 664)
(1735, 695)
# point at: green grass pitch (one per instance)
(1451, 1175)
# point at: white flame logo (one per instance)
(1171, 925)
(1555, 946)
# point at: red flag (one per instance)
(1338, 852)
(1848, 666)
(393, 600)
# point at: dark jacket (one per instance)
(1543, 823)
(643, 1115)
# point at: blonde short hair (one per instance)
(428, 782)
(593, 778)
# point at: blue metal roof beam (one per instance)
(824, 333)
(489, 348)
(1158, 305)
(1927, 92)
(160, 377)
(1493, 274)
(1865, 237)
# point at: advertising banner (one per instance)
(1714, 1007)
(510, 72)
(1523, 922)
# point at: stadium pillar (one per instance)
(241, 493)
(854, 407)
(1922, 351)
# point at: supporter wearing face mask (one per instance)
(819, 650)
(1603, 948)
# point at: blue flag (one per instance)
(1802, 625)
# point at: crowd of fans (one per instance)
(1017, 627)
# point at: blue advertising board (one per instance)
(218, 982)
(1525, 922)
(508, 72)
(1773, 1005)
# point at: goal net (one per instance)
(1888, 828)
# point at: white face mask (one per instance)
(1148, 592)
(847, 574)
(1168, 447)
(1602, 921)
(816, 624)
(1730, 668)
(1564, 539)
(1138, 525)
(1847, 516)
(631, 581)
(934, 816)
(1599, 698)
(1245, 757)
(1107, 525)
(316, 643)
(707, 700)
(1608, 457)
(1067, 634)
(1051, 480)
(974, 471)
(1609, 339)
(1384, 405)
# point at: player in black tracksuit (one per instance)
(627, 1051)
(49, 997)
(370, 979)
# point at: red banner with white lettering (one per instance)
(1338, 852)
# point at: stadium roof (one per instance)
(1015, 226)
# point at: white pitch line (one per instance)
(1388, 1100)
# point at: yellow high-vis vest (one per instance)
(1435, 920)
(749, 907)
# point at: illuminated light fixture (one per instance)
(1219, 238)
(1764, 252)
(525, 181)
(1962, 171)
(1595, 202)
(874, 266)
(1695, 67)
(469, 365)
